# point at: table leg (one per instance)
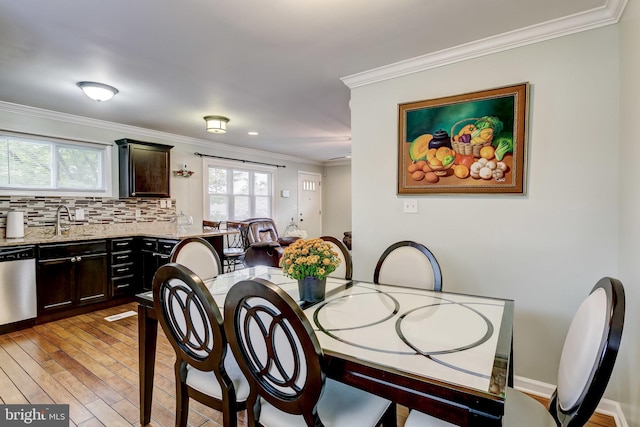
(147, 337)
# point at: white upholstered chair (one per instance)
(587, 359)
(205, 369)
(198, 256)
(345, 268)
(280, 355)
(408, 263)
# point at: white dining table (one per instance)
(443, 353)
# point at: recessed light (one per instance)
(253, 133)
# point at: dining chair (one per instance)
(346, 265)
(197, 255)
(233, 255)
(410, 264)
(586, 362)
(205, 369)
(280, 355)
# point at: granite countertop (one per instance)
(43, 235)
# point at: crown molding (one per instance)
(608, 14)
(144, 132)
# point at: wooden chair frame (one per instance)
(437, 273)
(182, 243)
(346, 255)
(209, 350)
(283, 391)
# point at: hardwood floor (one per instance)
(92, 364)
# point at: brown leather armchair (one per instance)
(265, 245)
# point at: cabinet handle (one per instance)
(78, 258)
(122, 257)
(120, 270)
(122, 243)
(73, 259)
(133, 194)
(122, 286)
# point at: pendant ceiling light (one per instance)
(97, 91)
(216, 124)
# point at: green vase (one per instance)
(312, 289)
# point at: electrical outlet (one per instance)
(138, 213)
(410, 206)
(169, 203)
(79, 214)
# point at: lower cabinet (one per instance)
(153, 254)
(71, 275)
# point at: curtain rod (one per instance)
(239, 160)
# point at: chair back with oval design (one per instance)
(345, 269)
(198, 256)
(193, 323)
(408, 263)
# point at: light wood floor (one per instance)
(92, 365)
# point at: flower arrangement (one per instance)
(309, 258)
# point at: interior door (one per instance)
(310, 203)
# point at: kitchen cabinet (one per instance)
(154, 253)
(69, 275)
(122, 268)
(144, 168)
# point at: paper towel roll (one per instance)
(15, 225)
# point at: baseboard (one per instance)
(606, 406)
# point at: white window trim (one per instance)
(230, 164)
(108, 169)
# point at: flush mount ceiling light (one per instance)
(216, 124)
(97, 91)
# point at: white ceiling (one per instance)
(270, 66)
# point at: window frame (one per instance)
(238, 166)
(107, 167)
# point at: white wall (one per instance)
(545, 249)
(187, 192)
(627, 378)
(336, 200)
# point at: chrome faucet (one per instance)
(59, 227)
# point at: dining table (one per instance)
(444, 353)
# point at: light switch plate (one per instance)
(169, 203)
(138, 213)
(163, 203)
(410, 206)
(79, 214)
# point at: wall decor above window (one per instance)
(469, 143)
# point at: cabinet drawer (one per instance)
(166, 246)
(122, 270)
(118, 245)
(148, 244)
(121, 257)
(63, 250)
(123, 286)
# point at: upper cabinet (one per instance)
(144, 168)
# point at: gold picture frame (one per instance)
(469, 143)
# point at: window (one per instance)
(38, 165)
(237, 192)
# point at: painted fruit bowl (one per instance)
(440, 160)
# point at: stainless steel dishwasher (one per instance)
(17, 284)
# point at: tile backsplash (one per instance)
(41, 211)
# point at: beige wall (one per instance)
(544, 249)
(336, 200)
(627, 377)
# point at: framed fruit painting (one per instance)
(469, 143)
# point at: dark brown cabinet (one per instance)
(122, 258)
(153, 254)
(144, 168)
(71, 275)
